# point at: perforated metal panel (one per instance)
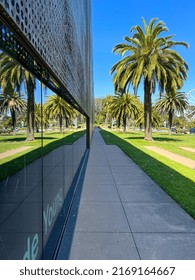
(59, 30)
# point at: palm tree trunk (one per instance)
(37, 129)
(112, 122)
(147, 110)
(124, 123)
(119, 120)
(170, 121)
(106, 120)
(13, 116)
(30, 110)
(67, 122)
(60, 123)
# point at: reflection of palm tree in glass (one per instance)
(13, 75)
(56, 107)
(39, 118)
(12, 103)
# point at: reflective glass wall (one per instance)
(42, 143)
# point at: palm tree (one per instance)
(40, 118)
(56, 107)
(124, 105)
(13, 75)
(12, 103)
(156, 119)
(171, 103)
(152, 59)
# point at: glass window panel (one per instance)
(20, 166)
(42, 142)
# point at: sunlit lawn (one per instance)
(172, 143)
(9, 141)
(176, 179)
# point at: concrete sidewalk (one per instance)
(123, 214)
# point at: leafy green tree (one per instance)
(56, 107)
(106, 110)
(98, 107)
(124, 105)
(150, 58)
(12, 104)
(180, 122)
(171, 103)
(13, 75)
(102, 109)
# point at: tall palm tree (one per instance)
(13, 75)
(151, 58)
(124, 105)
(56, 107)
(171, 103)
(12, 103)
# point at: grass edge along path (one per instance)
(16, 162)
(179, 186)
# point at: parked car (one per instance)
(192, 130)
(179, 130)
(182, 130)
(173, 129)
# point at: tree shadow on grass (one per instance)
(158, 139)
(23, 139)
(166, 139)
(180, 188)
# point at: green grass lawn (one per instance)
(177, 180)
(41, 146)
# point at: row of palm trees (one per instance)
(148, 57)
(13, 102)
(13, 77)
(124, 106)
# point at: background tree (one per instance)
(152, 58)
(180, 122)
(124, 105)
(106, 110)
(98, 107)
(156, 119)
(13, 75)
(12, 103)
(171, 103)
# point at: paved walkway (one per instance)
(122, 214)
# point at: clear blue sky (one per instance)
(113, 19)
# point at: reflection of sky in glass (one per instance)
(46, 92)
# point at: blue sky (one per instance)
(113, 19)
